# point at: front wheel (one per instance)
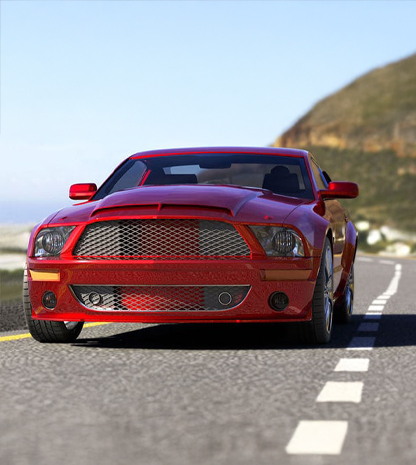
(344, 305)
(48, 331)
(319, 329)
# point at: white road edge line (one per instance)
(318, 438)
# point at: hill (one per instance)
(375, 112)
(366, 133)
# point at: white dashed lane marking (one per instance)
(346, 391)
(378, 308)
(361, 343)
(327, 437)
(394, 283)
(353, 364)
(364, 259)
(368, 327)
(372, 316)
(318, 437)
(374, 312)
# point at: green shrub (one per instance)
(11, 285)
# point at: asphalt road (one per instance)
(187, 394)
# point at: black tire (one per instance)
(344, 306)
(47, 331)
(319, 329)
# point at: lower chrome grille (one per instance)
(160, 298)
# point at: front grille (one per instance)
(160, 298)
(166, 239)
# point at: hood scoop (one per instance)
(160, 206)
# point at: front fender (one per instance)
(313, 226)
(348, 257)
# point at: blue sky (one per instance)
(84, 84)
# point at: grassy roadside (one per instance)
(386, 183)
(10, 285)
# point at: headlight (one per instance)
(279, 242)
(50, 241)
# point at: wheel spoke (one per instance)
(328, 289)
(349, 292)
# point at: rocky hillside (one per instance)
(375, 112)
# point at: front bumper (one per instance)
(294, 276)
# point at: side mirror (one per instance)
(340, 190)
(82, 191)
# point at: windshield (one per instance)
(279, 174)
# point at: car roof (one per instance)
(200, 150)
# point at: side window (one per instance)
(326, 177)
(320, 180)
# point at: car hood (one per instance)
(229, 202)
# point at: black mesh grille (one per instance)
(160, 298)
(161, 239)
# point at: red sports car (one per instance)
(199, 235)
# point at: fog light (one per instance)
(49, 300)
(278, 301)
(95, 298)
(225, 298)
